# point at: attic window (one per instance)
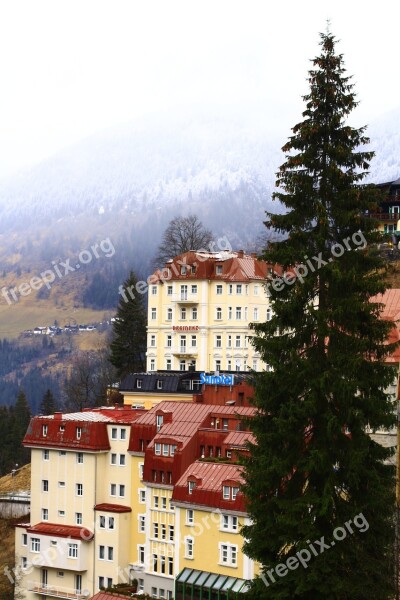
(193, 268)
(191, 486)
(183, 269)
(139, 384)
(159, 421)
(159, 384)
(62, 428)
(218, 269)
(78, 433)
(44, 430)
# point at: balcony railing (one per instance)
(385, 216)
(184, 298)
(57, 592)
(185, 350)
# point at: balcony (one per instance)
(57, 592)
(184, 298)
(385, 216)
(185, 351)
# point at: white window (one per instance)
(169, 341)
(113, 459)
(78, 433)
(182, 365)
(189, 543)
(101, 582)
(157, 449)
(219, 290)
(102, 522)
(113, 489)
(191, 486)
(172, 449)
(217, 365)
(61, 484)
(141, 554)
(24, 540)
(218, 269)
(101, 552)
(238, 312)
(35, 544)
(78, 518)
(114, 432)
(153, 341)
(255, 314)
(153, 314)
(155, 530)
(256, 288)
(111, 522)
(60, 573)
(45, 455)
(194, 314)
(229, 523)
(45, 485)
(218, 341)
(168, 364)
(110, 553)
(24, 562)
(237, 341)
(235, 491)
(142, 523)
(169, 290)
(229, 364)
(152, 364)
(163, 503)
(61, 513)
(245, 313)
(230, 289)
(139, 384)
(142, 496)
(122, 491)
(122, 434)
(228, 554)
(229, 341)
(141, 470)
(189, 516)
(183, 270)
(79, 489)
(194, 289)
(193, 339)
(226, 492)
(229, 313)
(183, 314)
(255, 364)
(140, 585)
(122, 460)
(79, 458)
(153, 290)
(169, 314)
(163, 532)
(44, 430)
(72, 550)
(45, 514)
(269, 314)
(171, 531)
(239, 288)
(218, 315)
(165, 450)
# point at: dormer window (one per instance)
(139, 384)
(44, 430)
(191, 486)
(159, 421)
(218, 270)
(78, 433)
(159, 384)
(183, 269)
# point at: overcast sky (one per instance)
(69, 68)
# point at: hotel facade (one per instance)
(200, 309)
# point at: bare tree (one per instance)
(182, 234)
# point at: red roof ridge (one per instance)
(67, 531)
(116, 508)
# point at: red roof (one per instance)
(239, 439)
(68, 531)
(115, 508)
(107, 596)
(236, 266)
(211, 478)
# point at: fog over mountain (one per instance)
(137, 176)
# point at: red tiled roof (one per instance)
(391, 301)
(238, 439)
(107, 596)
(208, 492)
(68, 531)
(115, 508)
(94, 435)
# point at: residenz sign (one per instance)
(217, 379)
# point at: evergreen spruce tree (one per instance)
(129, 342)
(48, 404)
(21, 420)
(314, 473)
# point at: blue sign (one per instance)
(217, 379)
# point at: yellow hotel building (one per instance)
(199, 310)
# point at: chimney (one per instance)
(240, 253)
(58, 416)
(254, 255)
